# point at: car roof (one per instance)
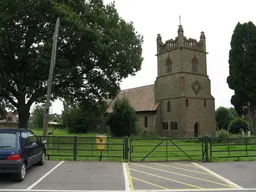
(12, 130)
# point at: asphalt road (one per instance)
(56, 176)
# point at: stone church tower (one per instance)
(182, 87)
(179, 103)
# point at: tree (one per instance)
(122, 121)
(84, 117)
(242, 70)
(233, 113)
(96, 50)
(3, 111)
(223, 118)
(38, 116)
(238, 125)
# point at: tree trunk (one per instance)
(252, 119)
(23, 112)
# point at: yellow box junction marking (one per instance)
(204, 173)
(196, 178)
(176, 181)
(161, 187)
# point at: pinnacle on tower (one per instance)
(180, 29)
(202, 35)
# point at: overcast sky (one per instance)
(216, 18)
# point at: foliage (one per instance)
(223, 118)
(233, 113)
(85, 117)
(96, 50)
(222, 134)
(122, 121)
(242, 70)
(3, 111)
(238, 125)
(38, 116)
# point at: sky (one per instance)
(216, 18)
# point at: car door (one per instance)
(27, 149)
(36, 148)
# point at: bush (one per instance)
(122, 121)
(223, 118)
(86, 117)
(222, 134)
(38, 116)
(238, 125)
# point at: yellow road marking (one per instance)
(161, 187)
(219, 177)
(186, 165)
(209, 181)
(129, 177)
(167, 179)
(204, 173)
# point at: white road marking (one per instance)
(126, 180)
(174, 190)
(218, 176)
(39, 180)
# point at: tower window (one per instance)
(169, 68)
(194, 67)
(168, 64)
(204, 102)
(168, 106)
(165, 125)
(186, 102)
(145, 121)
(174, 125)
(194, 64)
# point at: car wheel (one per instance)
(22, 174)
(42, 160)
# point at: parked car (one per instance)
(20, 149)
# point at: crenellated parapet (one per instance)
(181, 42)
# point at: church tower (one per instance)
(182, 87)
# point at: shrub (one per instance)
(122, 121)
(222, 134)
(38, 116)
(223, 118)
(238, 125)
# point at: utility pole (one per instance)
(49, 84)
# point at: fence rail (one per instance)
(232, 148)
(84, 148)
(148, 149)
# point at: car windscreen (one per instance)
(8, 140)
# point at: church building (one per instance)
(179, 103)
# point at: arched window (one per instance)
(168, 106)
(168, 64)
(194, 63)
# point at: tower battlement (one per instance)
(181, 42)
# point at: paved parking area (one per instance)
(56, 176)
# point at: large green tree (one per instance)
(242, 70)
(96, 50)
(223, 118)
(123, 119)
